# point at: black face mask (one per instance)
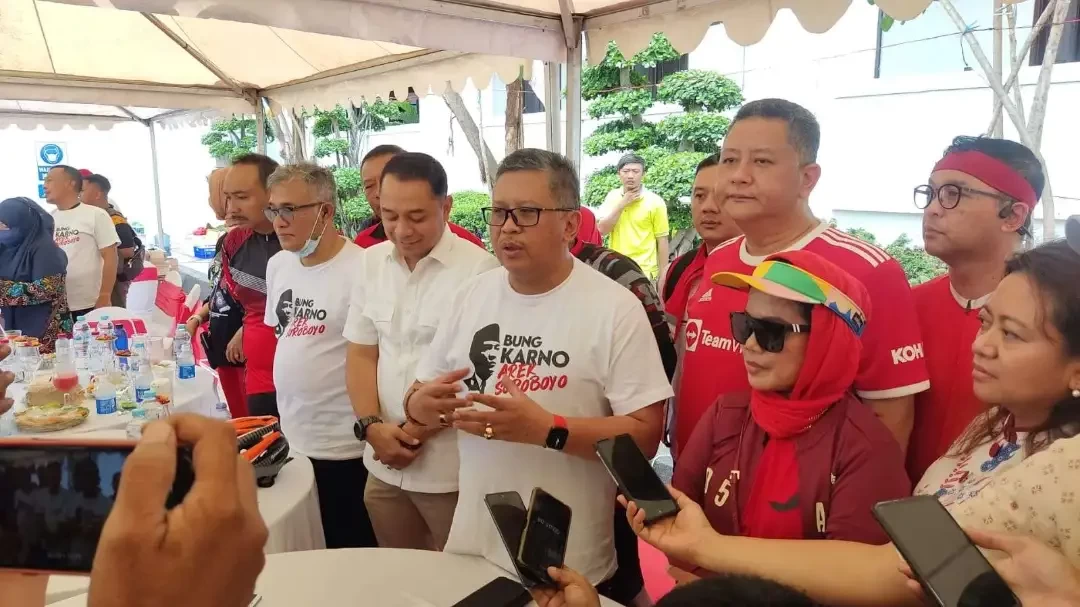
(770, 335)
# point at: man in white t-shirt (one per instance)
(412, 474)
(86, 233)
(574, 362)
(308, 284)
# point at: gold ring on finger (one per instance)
(489, 432)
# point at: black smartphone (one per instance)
(952, 571)
(547, 529)
(499, 592)
(508, 512)
(55, 496)
(635, 477)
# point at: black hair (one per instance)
(709, 161)
(414, 166)
(72, 173)
(630, 159)
(386, 149)
(1054, 270)
(803, 130)
(265, 164)
(727, 590)
(101, 182)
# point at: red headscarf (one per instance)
(587, 232)
(828, 372)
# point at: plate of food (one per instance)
(50, 418)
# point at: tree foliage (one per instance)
(919, 266)
(671, 148)
(339, 132)
(700, 91)
(233, 137)
(466, 211)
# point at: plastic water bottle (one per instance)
(185, 360)
(144, 384)
(80, 340)
(105, 327)
(121, 342)
(180, 338)
(105, 396)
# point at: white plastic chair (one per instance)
(194, 297)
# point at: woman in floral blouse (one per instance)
(33, 296)
(1015, 469)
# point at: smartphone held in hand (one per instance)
(57, 496)
(634, 475)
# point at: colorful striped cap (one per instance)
(786, 281)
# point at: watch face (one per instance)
(557, 437)
(358, 431)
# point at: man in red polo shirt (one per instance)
(976, 209)
(244, 255)
(715, 228)
(371, 168)
(768, 168)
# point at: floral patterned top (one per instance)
(49, 290)
(1001, 487)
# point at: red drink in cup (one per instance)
(65, 382)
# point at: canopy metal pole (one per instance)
(573, 106)
(157, 185)
(260, 126)
(552, 106)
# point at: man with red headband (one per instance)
(976, 209)
(767, 171)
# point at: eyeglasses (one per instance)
(948, 195)
(286, 213)
(524, 217)
(770, 335)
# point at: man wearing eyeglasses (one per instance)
(308, 286)
(575, 362)
(767, 171)
(400, 293)
(244, 256)
(976, 210)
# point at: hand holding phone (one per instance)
(634, 475)
(951, 570)
(211, 544)
(547, 530)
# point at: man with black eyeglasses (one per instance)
(574, 361)
(976, 211)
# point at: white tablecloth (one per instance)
(380, 577)
(200, 397)
(290, 509)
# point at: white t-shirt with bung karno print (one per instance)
(583, 349)
(307, 306)
(82, 231)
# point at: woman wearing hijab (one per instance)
(798, 457)
(33, 297)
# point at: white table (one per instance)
(200, 398)
(290, 509)
(380, 577)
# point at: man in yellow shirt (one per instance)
(636, 219)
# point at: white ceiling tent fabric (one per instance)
(317, 52)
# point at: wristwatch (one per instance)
(362, 424)
(558, 435)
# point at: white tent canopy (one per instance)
(220, 54)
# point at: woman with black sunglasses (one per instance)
(799, 456)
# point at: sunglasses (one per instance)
(770, 335)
